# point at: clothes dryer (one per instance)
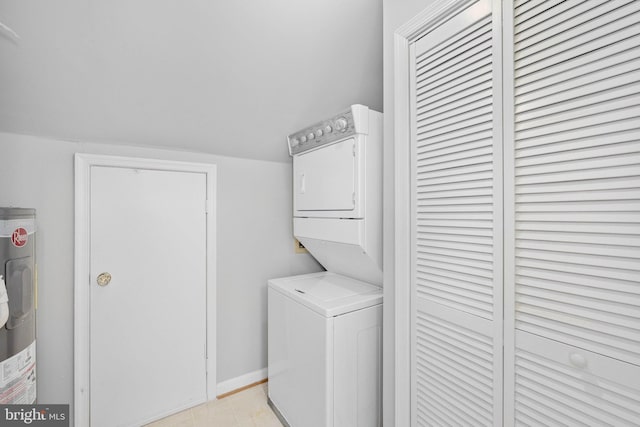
(337, 192)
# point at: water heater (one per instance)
(17, 306)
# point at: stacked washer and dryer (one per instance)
(325, 329)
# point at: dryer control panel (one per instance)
(348, 123)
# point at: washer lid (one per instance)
(328, 294)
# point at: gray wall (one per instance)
(395, 13)
(187, 74)
(255, 243)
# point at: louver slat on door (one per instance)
(577, 180)
(435, 265)
(454, 370)
(455, 301)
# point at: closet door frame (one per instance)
(438, 12)
(508, 200)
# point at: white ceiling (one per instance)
(225, 77)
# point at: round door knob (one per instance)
(578, 360)
(103, 279)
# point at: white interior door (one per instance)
(572, 282)
(456, 215)
(148, 324)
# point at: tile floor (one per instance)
(247, 408)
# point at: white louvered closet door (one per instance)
(572, 204)
(456, 247)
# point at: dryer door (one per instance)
(325, 179)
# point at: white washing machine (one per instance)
(325, 341)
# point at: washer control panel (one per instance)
(322, 133)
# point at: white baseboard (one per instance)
(241, 381)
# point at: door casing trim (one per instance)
(81, 334)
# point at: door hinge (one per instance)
(206, 206)
(354, 149)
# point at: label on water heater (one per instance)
(19, 237)
(18, 377)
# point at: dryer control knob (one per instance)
(303, 138)
(341, 124)
(294, 142)
(319, 133)
(311, 136)
(328, 129)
